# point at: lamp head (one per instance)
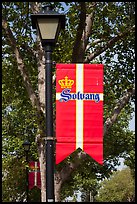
(26, 145)
(48, 24)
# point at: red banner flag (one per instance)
(34, 174)
(79, 110)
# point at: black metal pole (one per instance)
(49, 126)
(27, 180)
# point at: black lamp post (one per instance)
(48, 24)
(26, 146)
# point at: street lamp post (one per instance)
(26, 146)
(48, 24)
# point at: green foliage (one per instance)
(13, 186)
(14, 180)
(18, 116)
(86, 177)
(119, 188)
(18, 123)
(130, 157)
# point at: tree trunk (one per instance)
(58, 183)
(57, 179)
(41, 154)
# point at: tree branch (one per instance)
(93, 44)
(69, 167)
(108, 45)
(21, 66)
(35, 7)
(89, 24)
(120, 105)
(81, 26)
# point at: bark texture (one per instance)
(81, 45)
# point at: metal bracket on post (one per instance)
(48, 61)
(49, 138)
(50, 200)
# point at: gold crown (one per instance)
(66, 83)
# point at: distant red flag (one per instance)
(79, 110)
(34, 174)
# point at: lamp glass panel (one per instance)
(48, 28)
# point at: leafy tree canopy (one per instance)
(110, 40)
(120, 187)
